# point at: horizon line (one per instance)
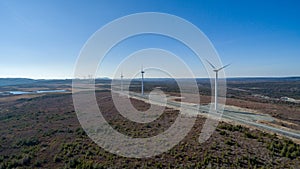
(108, 78)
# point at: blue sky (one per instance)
(42, 39)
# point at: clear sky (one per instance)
(42, 39)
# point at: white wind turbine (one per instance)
(216, 81)
(142, 71)
(122, 82)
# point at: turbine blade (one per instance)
(210, 64)
(224, 67)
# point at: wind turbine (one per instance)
(122, 82)
(216, 81)
(142, 71)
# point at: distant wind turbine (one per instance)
(216, 81)
(142, 71)
(122, 82)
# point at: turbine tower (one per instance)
(142, 90)
(216, 81)
(122, 82)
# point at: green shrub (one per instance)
(232, 127)
(56, 159)
(28, 142)
(25, 160)
(37, 164)
(250, 135)
(222, 132)
(230, 142)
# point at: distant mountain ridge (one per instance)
(15, 81)
(20, 81)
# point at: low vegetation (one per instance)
(45, 133)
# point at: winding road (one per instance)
(229, 113)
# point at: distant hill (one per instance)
(264, 79)
(15, 81)
(21, 81)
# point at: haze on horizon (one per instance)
(42, 40)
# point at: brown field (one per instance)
(43, 132)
